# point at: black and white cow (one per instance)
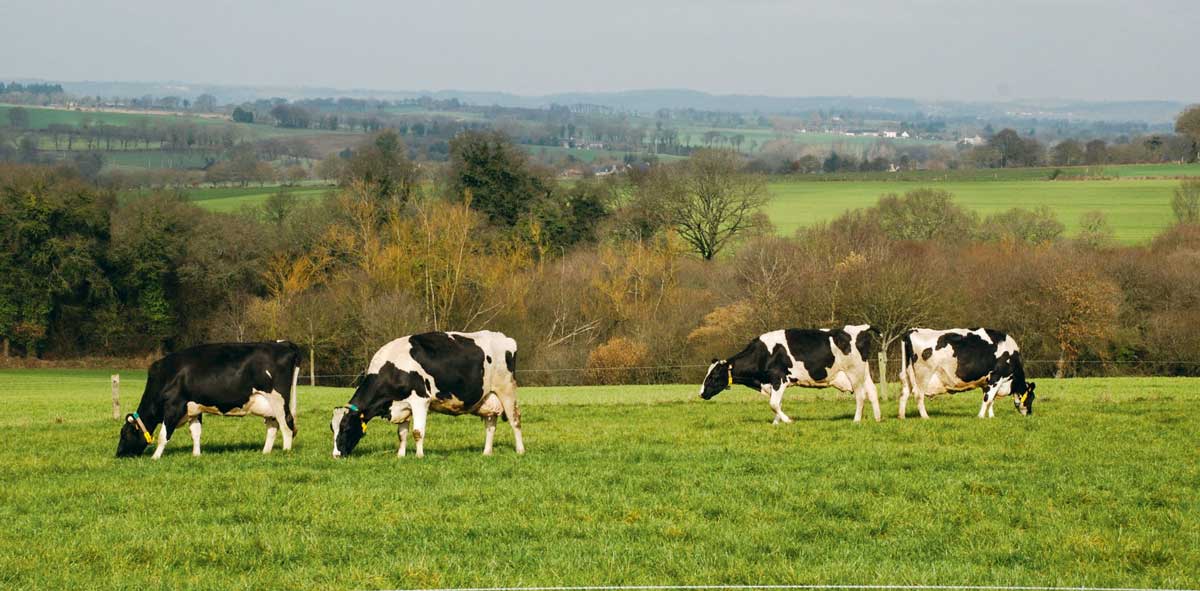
(959, 359)
(451, 373)
(229, 379)
(810, 358)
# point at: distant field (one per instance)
(589, 155)
(41, 118)
(1152, 170)
(622, 485)
(154, 159)
(1136, 209)
(228, 199)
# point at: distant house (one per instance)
(891, 134)
(904, 134)
(607, 170)
(972, 141)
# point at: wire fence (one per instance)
(645, 374)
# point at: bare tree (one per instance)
(708, 200)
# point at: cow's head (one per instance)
(718, 378)
(135, 437)
(373, 398)
(1024, 400)
(349, 424)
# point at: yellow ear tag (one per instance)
(731, 376)
(149, 439)
(364, 425)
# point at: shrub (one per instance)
(617, 362)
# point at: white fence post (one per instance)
(883, 393)
(116, 396)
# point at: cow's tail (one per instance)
(905, 346)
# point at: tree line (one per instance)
(664, 267)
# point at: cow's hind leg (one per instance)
(873, 396)
(281, 418)
(272, 429)
(194, 427)
(921, 405)
(489, 430)
(402, 433)
(508, 399)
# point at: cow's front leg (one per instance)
(402, 432)
(988, 397)
(272, 429)
(162, 442)
(777, 404)
(194, 427)
(860, 398)
(489, 433)
(921, 405)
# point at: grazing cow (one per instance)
(959, 359)
(809, 358)
(451, 373)
(228, 379)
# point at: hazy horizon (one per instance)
(932, 50)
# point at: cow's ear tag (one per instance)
(149, 438)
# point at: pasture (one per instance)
(621, 485)
(228, 199)
(1137, 210)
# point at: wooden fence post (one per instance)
(883, 393)
(116, 392)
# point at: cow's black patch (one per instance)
(996, 336)
(811, 347)
(454, 362)
(864, 341)
(841, 338)
(510, 361)
(926, 354)
(976, 357)
(218, 375)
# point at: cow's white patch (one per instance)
(259, 403)
(335, 424)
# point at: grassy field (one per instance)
(41, 118)
(621, 485)
(1136, 209)
(234, 198)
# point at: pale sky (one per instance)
(929, 49)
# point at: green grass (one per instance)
(1153, 170)
(154, 159)
(228, 199)
(41, 118)
(1136, 209)
(621, 485)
